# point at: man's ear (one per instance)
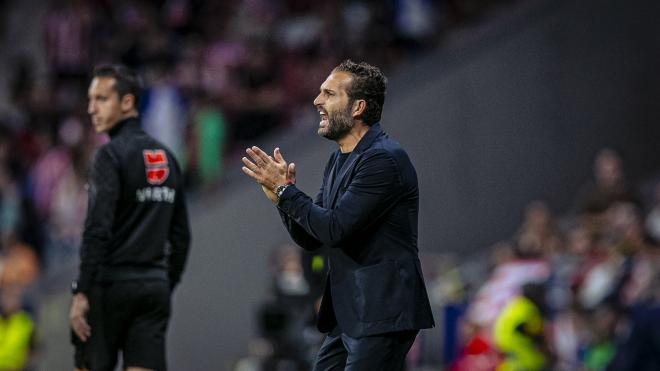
(359, 105)
(128, 102)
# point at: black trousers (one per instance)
(384, 352)
(127, 316)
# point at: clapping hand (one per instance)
(268, 171)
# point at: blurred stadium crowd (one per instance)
(580, 291)
(217, 74)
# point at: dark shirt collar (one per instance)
(128, 124)
(365, 142)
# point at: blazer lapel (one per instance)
(367, 140)
(327, 190)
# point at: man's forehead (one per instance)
(336, 80)
(102, 83)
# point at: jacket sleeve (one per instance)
(179, 238)
(299, 235)
(103, 189)
(374, 188)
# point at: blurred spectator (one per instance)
(640, 348)
(447, 294)
(567, 264)
(478, 354)
(69, 200)
(286, 321)
(164, 110)
(315, 268)
(569, 334)
(209, 134)
(600, 349)
(608, 280)
(515, 266)
(10, 210)
(519, 331)
(20, 265)
(568, 269)
(18, 221)
(653, 217)
(538, 235)
(608, 185)
(46, 172)
(506, 282)
(17, 330)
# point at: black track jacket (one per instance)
(136, 216)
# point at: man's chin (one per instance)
(325, 133)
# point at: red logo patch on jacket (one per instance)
(156, 165)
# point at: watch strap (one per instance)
(280, 189)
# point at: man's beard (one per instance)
(339, 124)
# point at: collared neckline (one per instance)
(367, 140)
(128, 124)
(365, 143)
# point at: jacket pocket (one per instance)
(378, 296)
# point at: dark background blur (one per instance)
(497, 103)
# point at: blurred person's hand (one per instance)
(79, 309)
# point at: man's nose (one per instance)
(318, 100)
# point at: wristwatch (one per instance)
(74, 287)
(280, 189)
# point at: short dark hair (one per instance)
(127, 81)
(369, 84)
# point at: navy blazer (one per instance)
(366, 213)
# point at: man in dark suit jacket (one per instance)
(375, 300)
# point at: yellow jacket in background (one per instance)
(515, 332)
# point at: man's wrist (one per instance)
(78, 287)
(75, 289)
(279, 190)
